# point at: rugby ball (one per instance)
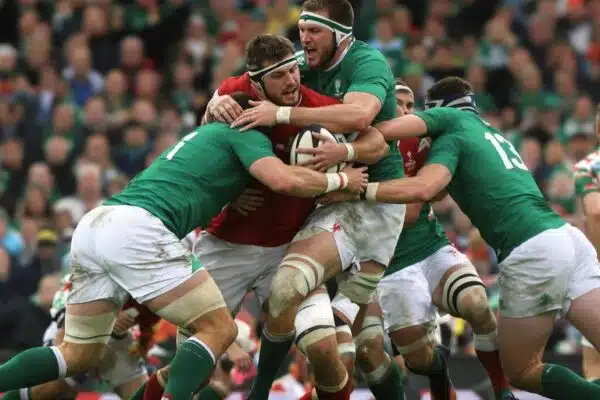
(305, 139)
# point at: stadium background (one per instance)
(91, 91)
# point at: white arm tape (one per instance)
(371, 192)
(283, 115)
(350, 149)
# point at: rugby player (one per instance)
(132, 244)
(334, 239)
(122, 366)
(547, 267)
(242, 248)
(424, 275)
(587, 189)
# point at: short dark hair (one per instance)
(339, 11)
(449, 86)
(402, 82)
(267, 49)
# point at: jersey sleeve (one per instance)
(584, 179)
(234, 84)
(446, 151)
(438, 120)
(250, 146)
(371, 76)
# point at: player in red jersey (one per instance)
(244, 245)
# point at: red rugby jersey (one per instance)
(280, 217)
(414, 153)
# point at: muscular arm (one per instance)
(292, 180)
(370, 146)
(402, 128)
(430, 180)
(355, 114)
(591, 209)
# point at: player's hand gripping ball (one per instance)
(317, 148)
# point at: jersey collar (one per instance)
(339, 60)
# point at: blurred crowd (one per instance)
(91, 91)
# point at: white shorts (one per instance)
(405, 296)
(123, 249)
(547, 273)
(363, 231)
(238, 268)
(119, 364)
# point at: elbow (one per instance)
(426, 193)
(362, 120)
(282, 186)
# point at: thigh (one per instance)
(405, 299)
(441, 262)
(521, 341)
(586, 275)
(88, 278)
(233, 267)
(377, 237)
(186, 303)
(534, 278)
(269, 261)
(143, 256)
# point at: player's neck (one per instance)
(340, 53)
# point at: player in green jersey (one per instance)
(547, 267)
(411, 290)
(587, 188)
(131, 244)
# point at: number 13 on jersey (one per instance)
(510, 162)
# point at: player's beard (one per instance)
(320, 57)
(289, 96)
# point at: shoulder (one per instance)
(364, 52)
(310, 98)
(236, 84)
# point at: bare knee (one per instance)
(297, 276)
(529, 378)
(217, 329)
(416, 345)
(463, 295)
(81, 358)
(370, 353)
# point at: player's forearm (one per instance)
(401, 191)
(370, 147)
(303, 182)
(341, 118)
(402, 128)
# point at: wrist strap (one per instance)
(344, 180)
(350, 149)
(334, 181)
(371, 193)
(283, 115)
